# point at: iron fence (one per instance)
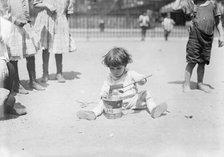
(94, 26)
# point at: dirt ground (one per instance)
(193, 127)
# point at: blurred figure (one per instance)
(167, 26)
(102, 25)
(17, 34)
(144, 24)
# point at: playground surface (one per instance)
(193, 127)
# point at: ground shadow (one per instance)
(193, 84)
(135, 111)
(14, 112)
(208, 85)
(8, 117)
(25, 84)
(67, 75)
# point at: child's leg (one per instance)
(45, 59)
(10, 78)
(143, 32)
(9, 104)
(17, 87)
(91, 115)
(166, 34)
(188, 72)
(155, 110)
(30, 64)
(200, 75)
(145, 100)
(16, 78)
(98, 110)
(200, 72)
(150, 103)
(59, 76)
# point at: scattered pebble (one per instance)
(83, 105)
(190, 117)
(111, 135)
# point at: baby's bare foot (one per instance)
(186, 88)
(88, 115)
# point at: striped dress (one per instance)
(19, 40)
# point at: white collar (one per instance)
(205, 4)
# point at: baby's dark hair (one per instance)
(116, 57)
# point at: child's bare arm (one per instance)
(220, 31)
(104, 92)
(70, 7)
(45, 6)
(187, 6)
(142, 82)
(176, 5)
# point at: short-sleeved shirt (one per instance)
(204, 18)
(144, 20)
(19, 10)
(168, 24)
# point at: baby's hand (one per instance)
(118, 92)
(51, 8)
(142, 82)
(105, 95)
(20, 23)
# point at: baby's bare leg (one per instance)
(98, 110)
(155, 110)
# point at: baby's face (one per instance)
(117, 71)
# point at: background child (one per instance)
(167, 25)
(52, 27)
(205, 17)
(116, 60)
(7, 76)
(144, 24)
